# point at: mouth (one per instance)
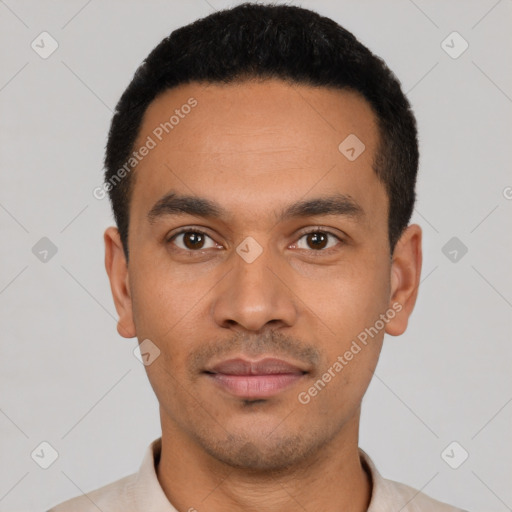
(255, 379)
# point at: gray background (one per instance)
(67, 378)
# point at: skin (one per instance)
(255, 148)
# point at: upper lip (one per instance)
(266, 366)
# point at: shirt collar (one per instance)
(149, 495)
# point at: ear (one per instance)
(405, 278)
(117, 270)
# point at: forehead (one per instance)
(250, 144)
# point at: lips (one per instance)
(267, 366)
(254, 379)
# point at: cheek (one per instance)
(350, 304)
(336, 392)
(162, 299)
(349, 296)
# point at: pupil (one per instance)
(315, 238)
(193, 240)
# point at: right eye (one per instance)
(191, 240)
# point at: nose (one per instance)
(255, 293)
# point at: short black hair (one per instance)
(283, 42)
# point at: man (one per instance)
(261, 167)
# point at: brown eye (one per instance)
(318, 240)
(192, 240)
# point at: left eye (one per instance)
(318, 240)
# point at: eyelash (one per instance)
(314, 230)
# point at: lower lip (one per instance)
(255, 386)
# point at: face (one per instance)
(253, 235)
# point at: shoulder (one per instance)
(390, 496)
(114, 496)
(412, 500)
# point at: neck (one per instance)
(331, 479)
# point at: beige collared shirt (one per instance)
(141, 492)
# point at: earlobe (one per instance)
(117, 270)
(405, 278)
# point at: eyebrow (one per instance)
(176, 204)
